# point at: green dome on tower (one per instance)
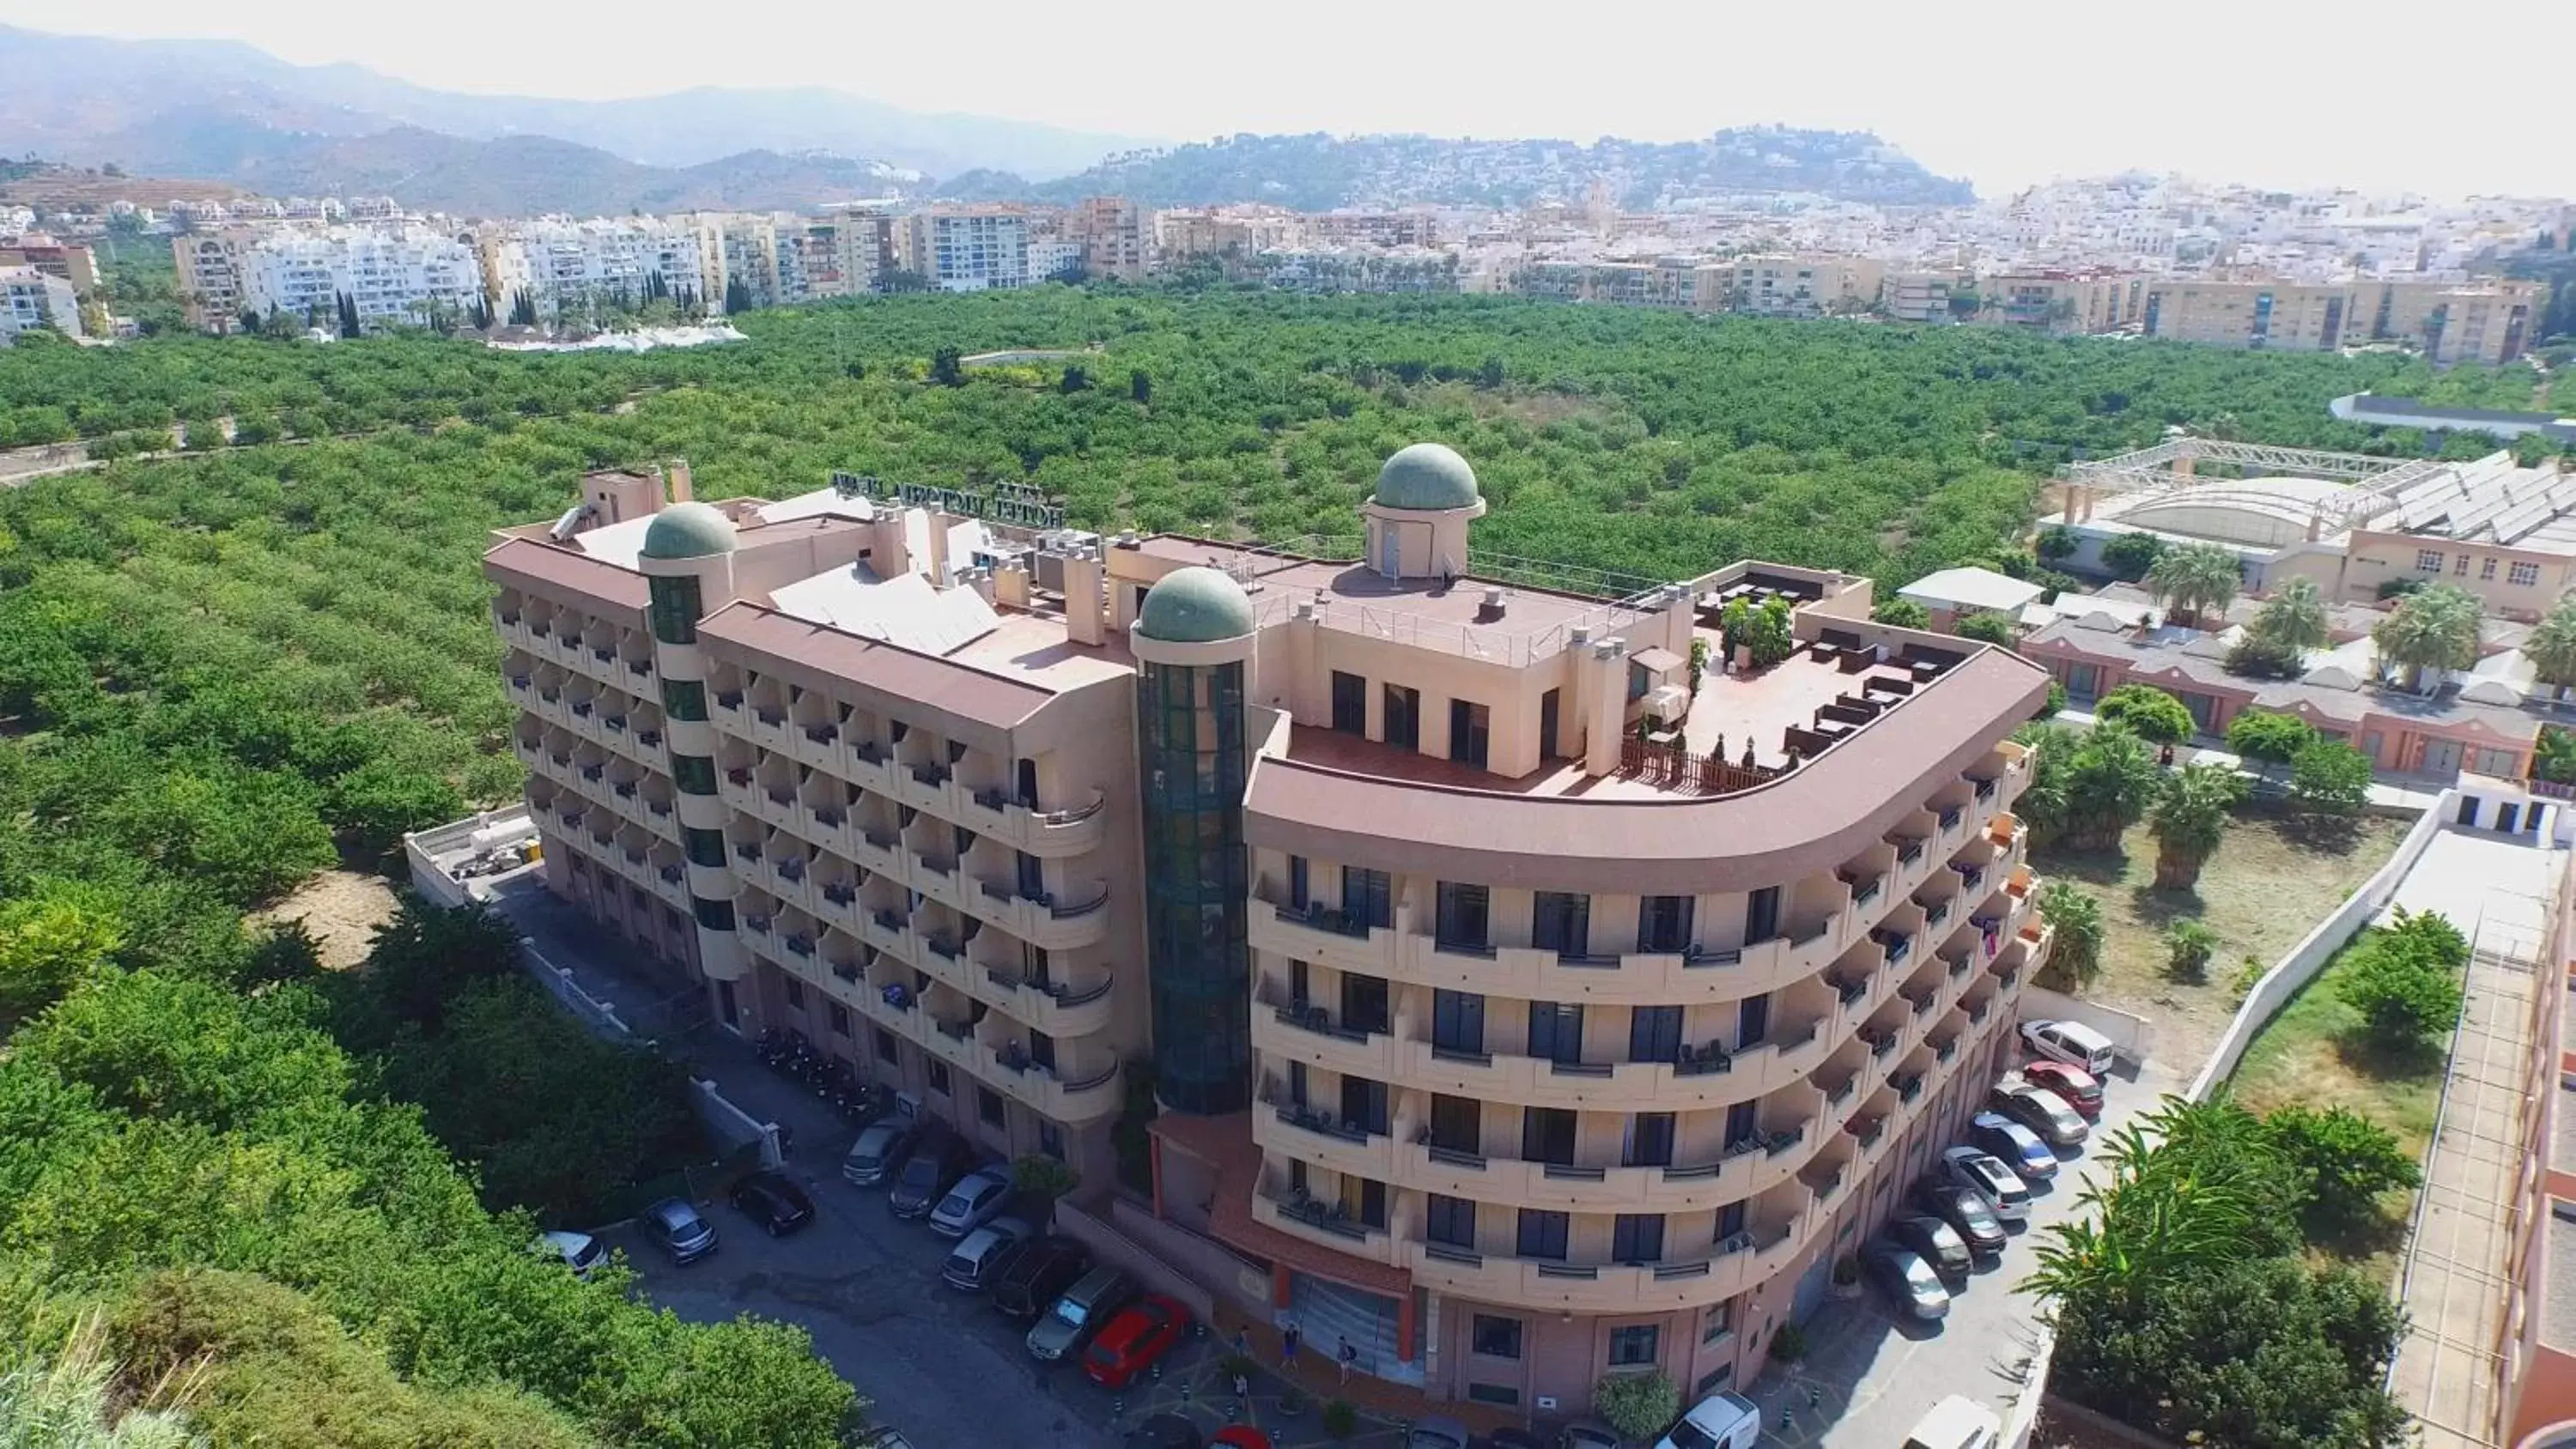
(688, 530)
(1430, 477)
(1195, 605)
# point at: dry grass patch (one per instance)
(2271, 881)
(342, 908)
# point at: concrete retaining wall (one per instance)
(2304, 960)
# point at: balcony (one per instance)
(1729, 1268)
(1640, 978)
(1308, 1034)
(1314, 933)
(1072, 1094)
(1046, 834)
(1708, 1078)
(1755, 1165)
(1290, 1130)
(1331, 1225)
(1052, 1007)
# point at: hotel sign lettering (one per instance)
(1010, 503)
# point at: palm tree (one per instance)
(2552, 647)
(2196, 580)
(2435, 628)
(2110, 781)
(2189, 819)
(2075, 921)
(2295, 617)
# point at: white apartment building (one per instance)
(558, 262)
(971, 249)
(400, 274)
(30, 300)
(736, 248)
(1053, 256)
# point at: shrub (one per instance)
(2273, 739)
(2150, 713)
(2350, 1159)
(2188, 947)
(1637, 1405)
(2330, 777)
(1987, 629)
(1788, 1343)
(2264, 659)
(2130, 555)
(2402, 995)
(1903, 613)
(1340, 1419)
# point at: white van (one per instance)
(1957, 1423)
(2071, 1042)
(1720, 1421)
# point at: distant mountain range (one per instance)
(224, 111)
(1318, 172)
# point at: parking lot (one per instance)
(1869, 1375)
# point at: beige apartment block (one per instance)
(1116, 236)
(2484, 321)
(210, 276)
(2062, 301)
(1523, 1006)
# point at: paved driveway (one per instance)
(1869, 1376)
(942, 1366)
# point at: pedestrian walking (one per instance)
(1243, 1343)
(1242, 1393)
(1348, 1355)
(1288, 1337)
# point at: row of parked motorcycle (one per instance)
(790, 1055)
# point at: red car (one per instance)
(2078, 1086)
(1133, 1340)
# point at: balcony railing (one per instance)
(1316, 917)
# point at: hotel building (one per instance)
(1518, 1006)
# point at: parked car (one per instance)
(977, 1198)
(1938, 1242)
(1720, 1421)
(2018, 1146)
(2081, 1089)
(1957, 1423)
(927, 1175)
(2042, 1111)
(1965, 1212)
(1163, 1431)
(2071, 1042)
(774, 1202)
(579, 1251)
(1583, 1435)
(880, 1152)
(1910, 1284)
(1989, 1179)
(677, 1230)
(1070, 1321)
(1037, 1275)
(984, 1253)
(1128, 1344)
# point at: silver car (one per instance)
(976, 1199)
(1908, 1281)
(1986, 1176)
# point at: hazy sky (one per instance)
(2454, 99)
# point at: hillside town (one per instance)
(2163, 257)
